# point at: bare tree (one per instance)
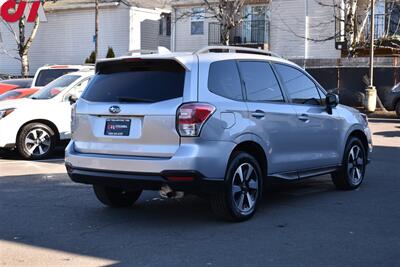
(23, 41)
(353, 18)
(228, 13)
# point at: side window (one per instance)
(260, 81)
(224, 79)
(301, 89)
(77, 90)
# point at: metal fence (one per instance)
(248, 32)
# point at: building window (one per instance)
(393, 17)
(161, 26)
(387, 17)
(197, 21)
(165, 24)
(168, 21)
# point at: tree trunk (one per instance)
(225, 34)
(21, 51)
(23, 47)
(25, 65)
(350, 25)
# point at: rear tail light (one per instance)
(191, 117)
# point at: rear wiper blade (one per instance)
(134, 100)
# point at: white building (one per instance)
(295, 29)
(67, 36)
(280, 25)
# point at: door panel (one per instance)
(317, 131)
(272, 119)
(276, 124)
(318, 136)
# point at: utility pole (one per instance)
(372, 42)
(371, 93)
(306, 31)
(96, 28)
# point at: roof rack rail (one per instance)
(235, 49)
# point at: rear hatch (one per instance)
(129, 109)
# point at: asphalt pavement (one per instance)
(46, 220)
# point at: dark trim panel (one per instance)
(147, 181)
(302, 174)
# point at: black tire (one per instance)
(398, 109)
(116, 197)
(45, 144)
(352, 173)
(226, 204)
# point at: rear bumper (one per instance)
(208, 157)
(191, 181)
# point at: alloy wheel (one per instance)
(245, 188)
(356, 165)
(37, 142)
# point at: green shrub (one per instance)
(110, 53)
(91, 59)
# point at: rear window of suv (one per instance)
(48, 75)
(136, 80)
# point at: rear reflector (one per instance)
(192, 116)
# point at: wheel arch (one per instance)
(360, 135)
(45, 122)
(254, 149)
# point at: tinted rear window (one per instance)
(224, 79)
(49, 75)
(136, 81)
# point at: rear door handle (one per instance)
(258, 114)
(304, 117)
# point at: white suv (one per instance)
(49, 73)
(35, 125)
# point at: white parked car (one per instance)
(34, 126)
(49, 73)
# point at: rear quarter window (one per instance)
(224, 79)
(136, 81)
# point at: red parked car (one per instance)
(18, 93)
(7, 85)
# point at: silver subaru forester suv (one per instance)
(216, 123)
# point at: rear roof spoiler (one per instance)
(103, 62)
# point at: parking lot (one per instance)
(46, 220)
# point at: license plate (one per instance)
(117, 127)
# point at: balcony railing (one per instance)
(251, 32)
(386, 25)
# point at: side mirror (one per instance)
(332, 100)
(72, 99)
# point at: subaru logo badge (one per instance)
(115, 109)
